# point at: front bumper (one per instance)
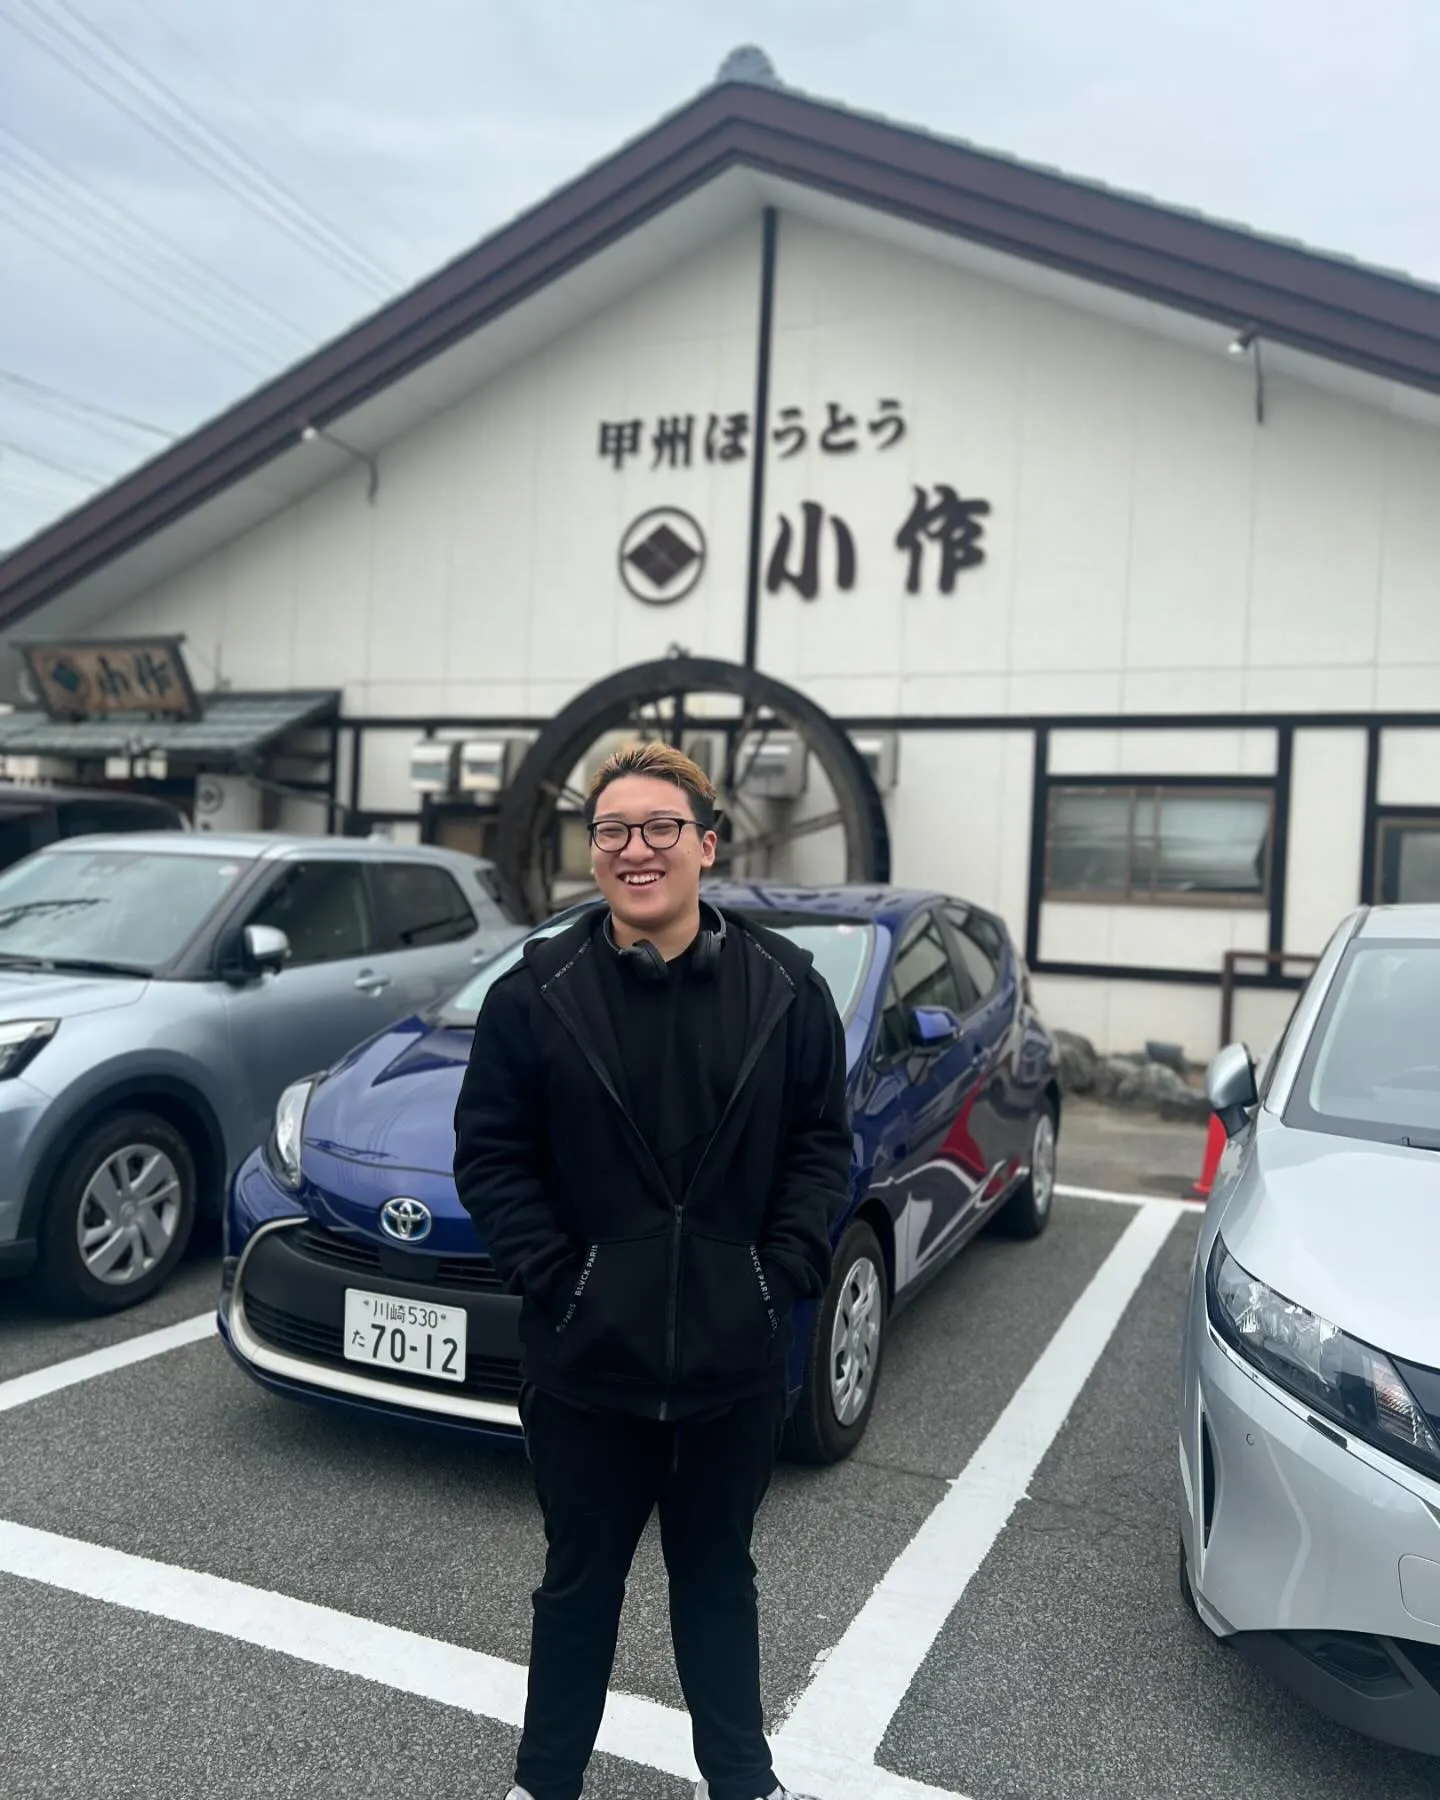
(1317, 1556)
(281, 1315)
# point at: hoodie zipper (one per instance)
(672, 1309)
(602, 1074)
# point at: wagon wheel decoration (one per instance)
(673, 698)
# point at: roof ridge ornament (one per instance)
(749, 63)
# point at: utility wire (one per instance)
(42, 389)
(274, 122)
(77, 215)
(49, 462)
(150, 302)
(184, 141)
(38, 164)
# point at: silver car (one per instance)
(159, 990)
(1310, 1388)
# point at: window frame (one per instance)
(1156, 790)
(1398, 820)
(287, 870)
(381, 907)
(886, 1058)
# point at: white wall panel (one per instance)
(1178, 752)
(1327, 829)
(1409, 768)
(1123, 1016)
(1146, 936)
(960, 818)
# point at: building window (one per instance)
(1156, 844)
(1409, 860)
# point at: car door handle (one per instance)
(369, 982)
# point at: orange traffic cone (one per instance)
(1215, 1142)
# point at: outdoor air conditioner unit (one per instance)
(488, 764)
(226, 803)
(773, 767)
(880, 752)
(433, 766)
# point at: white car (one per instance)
(1310, 1385)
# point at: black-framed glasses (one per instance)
(614, 835)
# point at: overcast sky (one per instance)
(392, 134)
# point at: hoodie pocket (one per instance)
(729, 1319)
(612, 1324)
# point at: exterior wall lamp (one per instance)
(311, 432)
(1241, 345)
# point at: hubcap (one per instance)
(1042, 1163)
(855, 1340)
(129, 1214)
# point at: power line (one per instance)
(183, 139)
(49, 462)
(149, 303)
(274, 122)
(38, 164)
(43, 389)
(86, 217)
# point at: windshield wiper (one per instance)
(71, 965)
(26, 908)
(1415, 1144)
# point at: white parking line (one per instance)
(1065, 1192)
(20, 1389)
(637, 1730)
(848, 1707)
(831, 1737)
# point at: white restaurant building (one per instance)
(1107, 533)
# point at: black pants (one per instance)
(599, 1476)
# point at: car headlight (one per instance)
(1340, 1378)
(283, 1149)
(21, 1040)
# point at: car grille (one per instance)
(488, 1377)
(471, 1274)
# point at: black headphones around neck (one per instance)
(646, 963)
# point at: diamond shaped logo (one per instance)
(662, 556)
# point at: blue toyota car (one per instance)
(353, 1277)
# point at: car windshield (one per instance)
(1372, 1068)
(842, 949)
(133, 909)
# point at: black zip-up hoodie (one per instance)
(633, 1298)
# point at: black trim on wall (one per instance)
(1280, 834)
(1028, 722)
(1370, 843)
(1264, 782)
(1175, 977)
(762, 433)
(1039, 814)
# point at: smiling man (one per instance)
(652, 1139)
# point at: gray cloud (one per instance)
(414, 129)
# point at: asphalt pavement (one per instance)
(230, 1594)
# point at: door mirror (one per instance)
(1230, 1087)
(267, 950)
(932, 1028)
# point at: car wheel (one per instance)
(842, 1370)
(1027, 1212)
(119, 1216)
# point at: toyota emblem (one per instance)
(406, 1220)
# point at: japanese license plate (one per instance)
(410, 1335)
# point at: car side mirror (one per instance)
(932, 1028)
(1230, 1087)
(266, 948)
